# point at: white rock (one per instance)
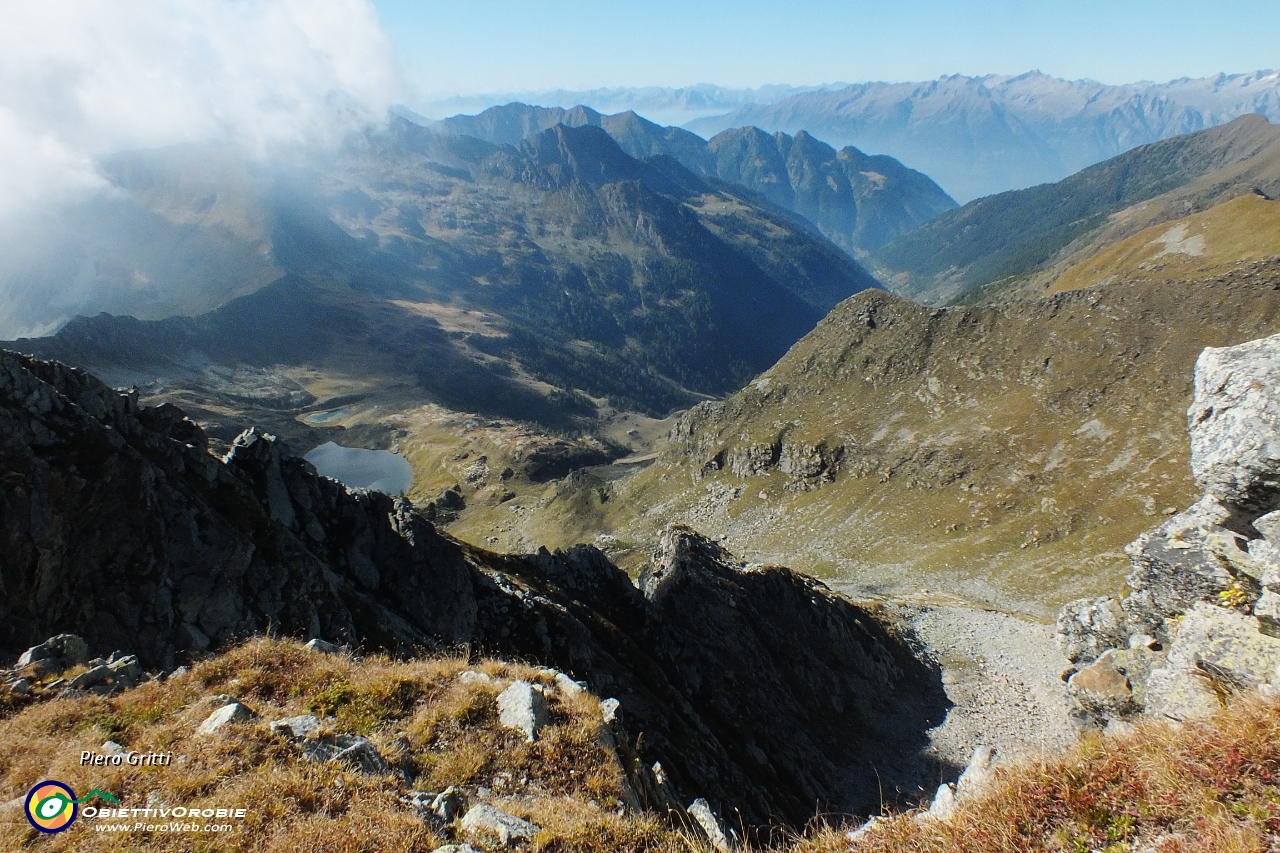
(700, 810)
(568, 686)
(297, 728)
(977, 774)
(944, 801)
(113, 748)
(609, 708)
(324, 647)
(471, 676)
(234, 712)
(483, 817)
(1235, 423)
(523, 708)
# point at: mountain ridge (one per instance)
(858, 201)
(978, 249)
(982, 135)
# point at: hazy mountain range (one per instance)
(974, 135)
(981, 135)
(662, 104)
(857, 201)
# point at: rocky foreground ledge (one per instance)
(754, 687)
(1201, 620)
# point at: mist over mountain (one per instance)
(489, 275)
(857, 201)
(982, 135)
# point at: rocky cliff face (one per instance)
(1203, 612)
(755, 687)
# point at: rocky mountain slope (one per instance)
(983, 135)
(1023, 238)
(502, 279)
(755, 687)
(1004, 454)
(857, 201)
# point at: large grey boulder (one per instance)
(1235, 423)
(522, 707)
(484, 818)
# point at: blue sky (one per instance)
(471, 46)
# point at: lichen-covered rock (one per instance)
(1215, 652)
(709, 822)
(1235, 424)
(1194, 556)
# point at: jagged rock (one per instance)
(297, 728)
(609, 709)
(523, 708)
(91, 678)
(234, 712)
(1103, 690)
(361, 754)
(112, 748)
(1215, 652)
(20, 686)
(484, 818)
(707, 820)
(1089, 626)
(1192, 557)
(323, 647)
(352, 750)
(1235, 424)
(181, 552)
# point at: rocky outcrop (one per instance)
(1200, 617)
(755, 687)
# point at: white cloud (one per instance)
(84, 78)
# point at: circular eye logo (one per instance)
(51, 807)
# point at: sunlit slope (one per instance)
(1006, 454)
(1242, 230)
(1017, 242)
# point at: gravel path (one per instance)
(1003, 676)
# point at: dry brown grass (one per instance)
(1212, 786)
(417, 711)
